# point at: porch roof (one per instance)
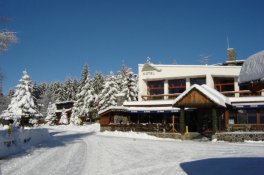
(201, 93)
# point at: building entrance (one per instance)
(199, 120)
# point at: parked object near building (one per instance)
(206, 98)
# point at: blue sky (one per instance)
(57, 37)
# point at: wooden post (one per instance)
(214, 120)
(182, 122)
(173, 124)
(226, 119)
(258, 117)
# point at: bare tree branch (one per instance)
(6, 38)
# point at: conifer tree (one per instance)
(98, 82)
(51, 114)
(98, 85)
(130, 88)
(127, 83)
(75, 88)
(59, 92)
(85, 74)
(64, 118)
(23, 109)
(108, 95)
(84, 98)
(68, 90)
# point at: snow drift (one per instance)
(21, 139)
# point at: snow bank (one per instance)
(21, 139)
(131, 134)
(82, 128)
(251, 141)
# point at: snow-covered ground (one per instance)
(21, 139)
(83, 150)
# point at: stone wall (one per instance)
(239, 136)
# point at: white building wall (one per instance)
(188, 83)
(236, 87)
(166, 88)
(166, 72)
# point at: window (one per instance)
(177, 86)
(262, 116)
(199, 81)
(252, 116)
(224, 85)
(247, 116)
(156, 88)
(247, 87)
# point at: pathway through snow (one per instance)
(81, 152)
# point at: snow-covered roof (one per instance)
(212, 94)
(177, 65)
(113, 108)
(66, 110)
(246, 99)
(161, 109)
(149, 103)
(139, 109)
(253, 68)
(63, 102)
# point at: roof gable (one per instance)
(149, 67)
(200, 96)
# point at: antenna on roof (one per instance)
(148, 61)
(204, 58)
(227, 39)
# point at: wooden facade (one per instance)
(195, 99)
(200, 109)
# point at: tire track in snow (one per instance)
(66, 159)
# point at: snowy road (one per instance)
(79, 152)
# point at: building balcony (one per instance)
(241, 93)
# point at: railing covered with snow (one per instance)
(242, 93)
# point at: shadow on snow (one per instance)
(226, 166)
(58, 139)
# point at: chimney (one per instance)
(120, 99)
(231, 54)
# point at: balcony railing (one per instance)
(160, 96)
(241, 93)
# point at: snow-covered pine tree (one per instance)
(85, 74)
(64, 118)
(130, 88)
(4, 101)
(120, 78)
(51, 118)
(75, 88)
(59, 92)
(22, 109)
(98, 85)
(45, 100)
(36, 92)
(84, 97)
(127, 83)
(98, 82)
(68, 90)
(89, 100)
(108, 95)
